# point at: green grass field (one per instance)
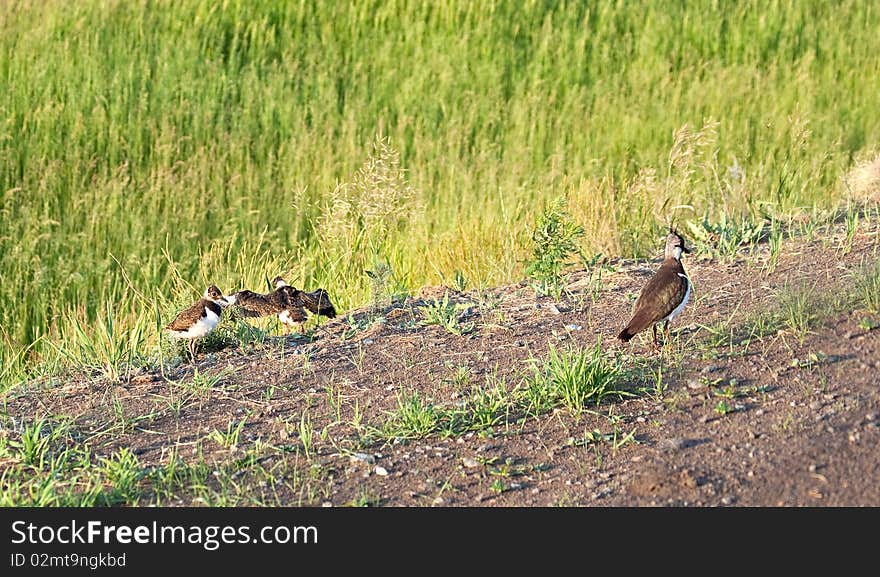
(150, 148)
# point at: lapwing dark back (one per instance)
(665, 293)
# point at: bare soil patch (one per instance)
(786, 418)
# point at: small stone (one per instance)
(438, 501)
(366, 458)
(368, 341)
(381, 471)
(673, 444)
(470, 463)
(816, 405)
(326, 504)
(710, 369)
(695, 384)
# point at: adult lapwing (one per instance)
(664, 296)
(288, 303)
(198, 319)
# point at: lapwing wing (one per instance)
(287, 302)
(199, 319)
(316, 302)
(664, 296)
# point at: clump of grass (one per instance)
(415, 417)
(123, 472)
(867, 286)
(554, 244)
(798, 308)
(38, 441)
(574, 378)
(105, 345)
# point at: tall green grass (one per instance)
(150, 148)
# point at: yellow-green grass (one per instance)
(149, 148)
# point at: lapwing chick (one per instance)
(664, 296)
(199, 319)
(316, 302)
(288, 303)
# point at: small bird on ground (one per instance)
(199, 319)
(665, 295)
(288, 303)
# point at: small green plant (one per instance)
(445, 314)
(461, 376)
(359, 324)
(729, 390)
(385, 286)
(36, 441)
(365, 498)
(724, 238)
(230, 437)
(723, 407)
(459, 281)
(554, 244)
(202, 383)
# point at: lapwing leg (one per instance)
(192, 350)
(656, 342)
(666, 332)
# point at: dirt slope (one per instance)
(733, 413)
